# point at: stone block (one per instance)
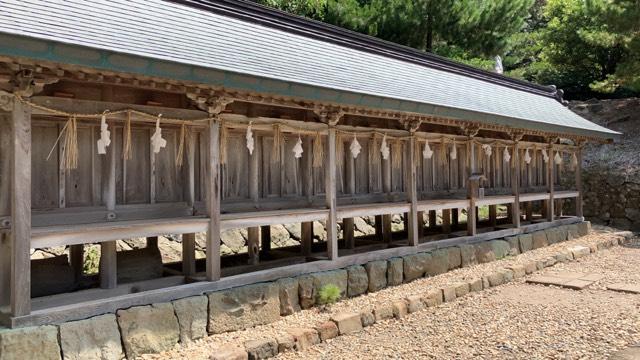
(286, 342)
(572, 232)
(462, 289)
(455, 257)
(305, 292)
(560, 257)
(96, 338)
(377, 275)
(192, 317)
(539, 264)
(383, 312)
(288, 291)
(467, 255)
(507, 275)
(438, 263)
(554, 235)
(518, 271)
(348, 323)
(579, 251)
(584, 228)
(30, 343)
(484, 252)
(367, 318)
(400, 309)
(334, 277)
(327, 330)
(539, 239)
(514, 245)
(500, 248)
(394, 271)
(495, 279)
(433, 298)
(415, 303)
(229, 352)
(526, 242)
(414, 266)
(475, 285)
(243, 307)
(304, 338)
(448, 293)
(550, 261)
(357, 281)
(148, 329)
(261, 349)
(530, 267)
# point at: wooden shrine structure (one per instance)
(266, 119)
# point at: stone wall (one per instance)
(612, 199)
(159, 327)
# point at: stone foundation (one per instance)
(159, 327)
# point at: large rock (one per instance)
(334, 277)
(414, 265)
(468, 255)
(357, 281)
(584, 228)
(362, 226)
(500, 248)
(377, 274)
(234, 239)
(514, 245)
(192, 317)
(539, 239)
(556, 235)
(438, 263)
(295, 230)
(96, 338)
(305, 291)
(304, 338)
(394, 271)
(280, 237)
(243, 307)
(288, 290)
(30, 343)
(484, 252)
(455, 257)
(526, 242)
(148, 329)
(348, 323)
(261, 348)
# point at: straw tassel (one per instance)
(127, 152)
(70, 151)
(180, 154)
(318, 151)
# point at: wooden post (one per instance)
(76, 258)
(493, 215)
(446, 221)
(579, 210)
(347, 223)
(420, 224)
(307, 172)
(306, 238)
(253, 233)
(191, 171)
(386, 188)
(253, 244)
(108, 252)
(412, 193)
(529, 211)
(265, 239)
(550, 185)
(515, 184)
(472, 188)
(20, 242)
(433, 219)
(189, 254)
(152, 242)
(330, 191)
(455, 218)
(213, 202)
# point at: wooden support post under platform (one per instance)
(213, 202)
(550, 185)
(306, 238)
(493, 215)
(347, 223)
(515, 184)
(420, 224)
(386, 188)
(189, 254)
(265, 239)
(76, 258)
(20, 198)
(108, 252)
(529, 211)
(455, 218)
(253, 244)
(331, 197)
(306, 231)
(446, 221)
(253, 233)
(412, 216)
(433, 219)
(472, 211)
(152, 242)
(579, 210)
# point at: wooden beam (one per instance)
(189, 254)
(330, 192)
(21, 210)
(472, 210)
(412, 194)
(347, 223)
(515, 185)
(213, 202)
(550, 185)
(455, 218)
(579, 202)
(386, 188)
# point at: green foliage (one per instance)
(91, 261)
(328, 294)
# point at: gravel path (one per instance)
(513, 321)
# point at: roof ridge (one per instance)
(250, 10)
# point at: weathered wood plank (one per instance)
(330, 193)
(412, 194)
(213, 202)
(47, 185)
(5, 165)
(138, 182)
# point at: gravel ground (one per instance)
(513, 321)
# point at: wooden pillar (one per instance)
(579, 210)
(472, 211)
(412, 178)
(515, 184)
(330, 191)
(550, 185)
(76, 258)
(529, 211)
(20, 238)
(455, 218)
(307, 238)
(386, 188)
(265, 239)
(446, 221)
(213, 202)
(420, 224)
(152, 242)
(6, 155)
(189, 254)
(108, 252)
(253, 244)
(433, 219)
(493, 215)
(253, 233)
(347, 223)
(307, 173)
